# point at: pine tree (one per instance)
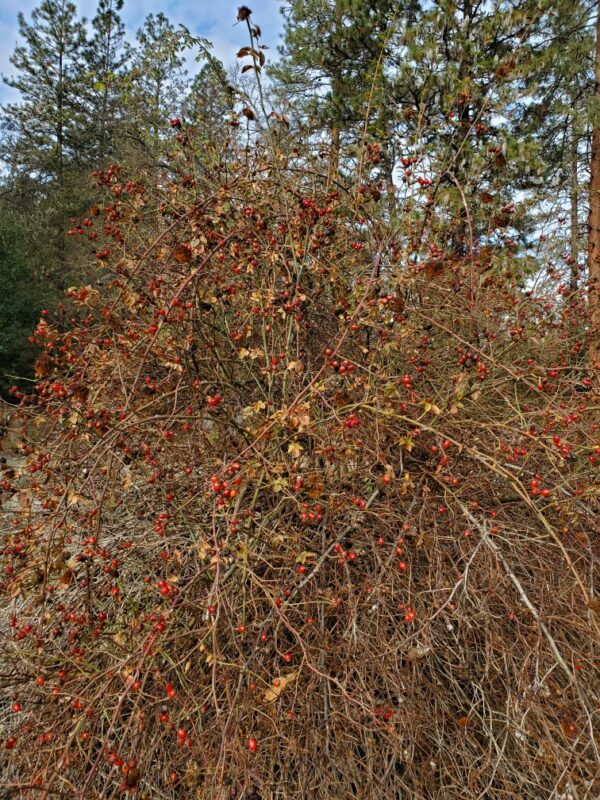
(107, 55)
(209, 101)
(44, 144)
(331, 67)
(460, 120)
(159, 80)
(21, 300)
(556, 121)
(43, 127)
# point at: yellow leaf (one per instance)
(250, 410)
(305, 556)
(74, 498)
(273, 692)
(406, 484)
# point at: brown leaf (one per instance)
(132, 777)
(396, 304)
(314, 486)
(248, 113)
(182, 253)
(433, 268)
(249, 66)
(67, 577)
(43, 366)
(273, 693)
(415, 653)
(243, 13)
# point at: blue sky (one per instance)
(213, 19)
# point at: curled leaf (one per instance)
(182, 253)
(273, 692)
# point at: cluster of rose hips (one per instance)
(352, 421)
(343, 554)
(166, 589)
(537, 490)
(375, 190)
(409, 613)
(310, 517)
(373, 153)
(341, 367)
(160, 526)
(564, 448)
(226, 489)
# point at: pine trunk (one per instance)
(594, 221)
(574, 275)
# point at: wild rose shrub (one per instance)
(309, 509)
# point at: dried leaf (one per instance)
(415, 653)
(132, 777)
(67, 577)
(305, 556)
(594, 604)
(273, 693)
(182, 253)
(314, 486)
(295, 449)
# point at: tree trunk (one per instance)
(594, 222)
(574, 274)
(336, 106)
